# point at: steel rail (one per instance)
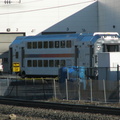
(62, 106)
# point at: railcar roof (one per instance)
(52, 37)
(89, 38)
(18, 40)
(84, 37)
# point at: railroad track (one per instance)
(63, 106)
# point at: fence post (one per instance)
(16, 85)
(91, 96)
(25, 89)
(54, 89)
(67, 73)
(34, 95)
(66, 89)
(79, 95)
(119, 91)
(43, 82)
(104, 88)
(118, 83)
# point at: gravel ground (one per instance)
(25, 113)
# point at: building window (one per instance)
(29, 63)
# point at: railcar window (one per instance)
(46, 44)
(45, 63)
(62, 63)
(96, 59)
(68, 44)
(34, 45)
(16, 54)
(111, 48)
(29, 45)
(29, 63)
(62, 44)
(51, 44)
(51, 63)
(57, 63)
(34, 63)
(5, 60)
(56, 44)
(39, 44)
(39, 63)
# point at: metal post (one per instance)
(79, 94)
(91, 96)
(66, 89)
(119, 91)
(104, 87)
(34, 95)
(43, 88)
(54, 89)
(118, 82)
(0, 89)
(117, 72)
(67, 73)
(25, 88)
(16, 85)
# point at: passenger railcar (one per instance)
(42, 55)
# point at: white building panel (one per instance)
(107, 70)
(35, 16)
(108, 59)
(109, 17)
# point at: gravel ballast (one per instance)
(26, 113)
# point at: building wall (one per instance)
(109, 17)
(36, 16)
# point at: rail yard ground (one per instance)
(27, 113)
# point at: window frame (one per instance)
(40, 44)
(29, 64)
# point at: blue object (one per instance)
(72, 74)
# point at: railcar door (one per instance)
(76, 55)
(22, 56)
(11, 59)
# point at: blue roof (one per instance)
(80, 37)
(90, 38)
(18, 40)
(95, 38)
(87, 38)
(52, 37)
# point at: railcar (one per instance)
(43, 55)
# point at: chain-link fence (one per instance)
(90, 84)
